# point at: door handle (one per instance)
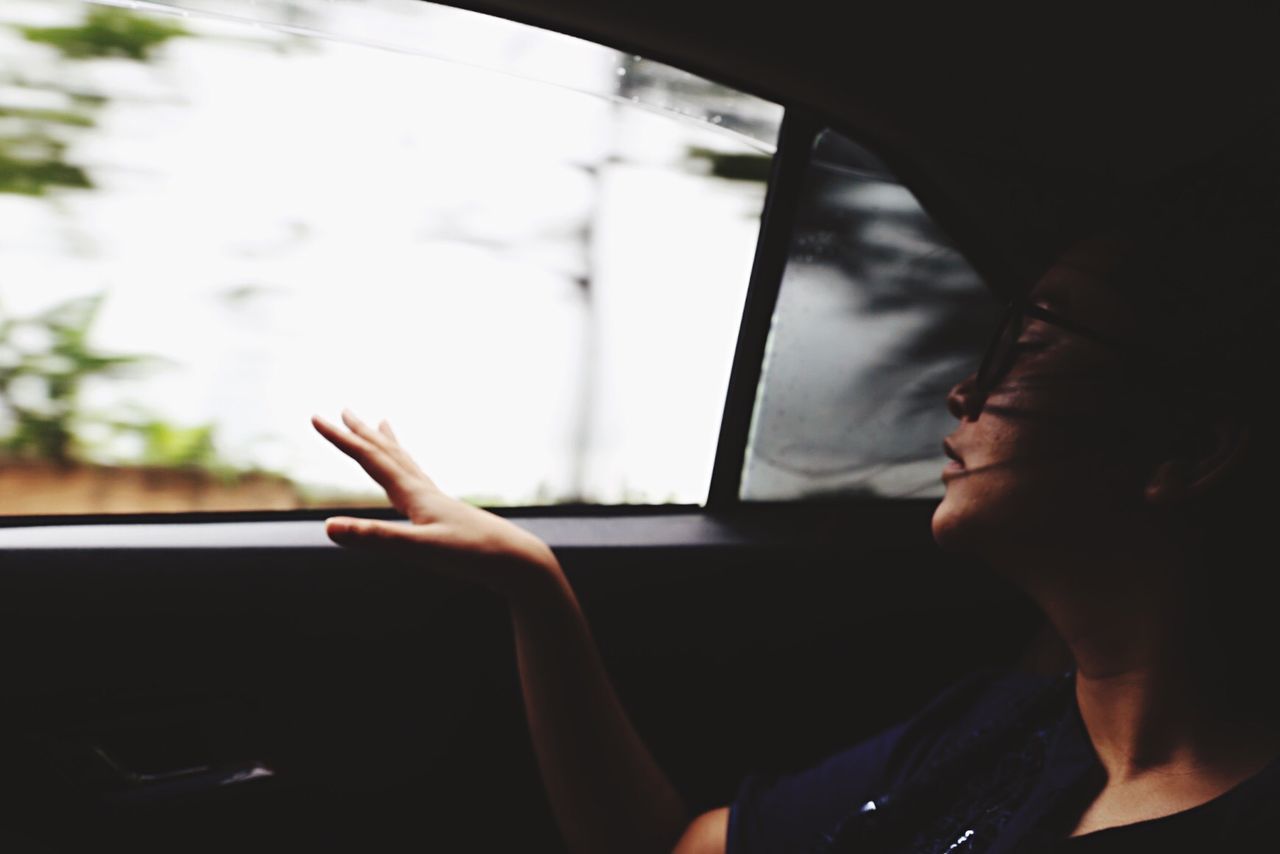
(139, 786)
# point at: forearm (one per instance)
(607, 792)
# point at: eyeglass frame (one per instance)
(1016, 311)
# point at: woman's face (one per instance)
(1038, 463)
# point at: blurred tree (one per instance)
(33, 162)
(105, 32)
(41, 380)
(46, 360)
(172, 446)
(33, 144)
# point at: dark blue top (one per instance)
(996, 764)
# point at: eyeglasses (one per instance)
(1181, 383)
(999, 356)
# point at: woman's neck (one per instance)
(1146, 687)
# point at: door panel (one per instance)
(381, 702)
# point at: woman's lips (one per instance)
(956, 465)
(951, 452)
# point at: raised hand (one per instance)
(458, 538)
(606, 789)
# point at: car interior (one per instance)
(231, 680)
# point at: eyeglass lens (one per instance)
(996, 361)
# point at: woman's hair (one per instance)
(1206, 288)
(1199, 261)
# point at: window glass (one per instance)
(876, 318)
(527, 251)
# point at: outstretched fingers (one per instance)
(394, 446)
(381, 466)
(384, 439)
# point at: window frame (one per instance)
(790, 165)
(798, 132)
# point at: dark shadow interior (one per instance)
(386, 701)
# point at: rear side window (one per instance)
(529, 252)
(876, 318)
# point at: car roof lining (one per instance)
(1013, 139)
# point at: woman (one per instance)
(1106, 452)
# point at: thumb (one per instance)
(354, 532)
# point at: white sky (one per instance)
(410, 230)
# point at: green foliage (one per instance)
(47, 359)
(63, 117)
(33, 159)
(171, 446)
(33, 156)
(33, 164)
(44, 423)
(735, 167)
(482, 499)
(88, 100)
(312, 496)
(107, 32)
(57, 358)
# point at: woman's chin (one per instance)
(952, 527)
(942, 526)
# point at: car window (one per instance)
(529, 252)
(877, 317)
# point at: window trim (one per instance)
(821, 524)
(787, 176)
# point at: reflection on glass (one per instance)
(876, 319)
(222, 216)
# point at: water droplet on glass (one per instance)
(715, 120)
(622, 72)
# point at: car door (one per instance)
(730, 436)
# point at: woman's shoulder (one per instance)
(776, 812)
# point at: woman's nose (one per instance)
(963, 399)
